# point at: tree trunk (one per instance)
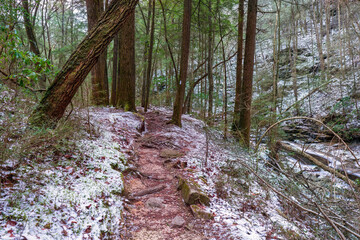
(98, 73)
(32, 38)
(58, 96)
(29, 29)
(115, 70)
(239, 65)
(185, 49)
(317, 19)
(146, 54)
(126, 71)
(293, 60)
(245, 107)
(209, 67)
(149, 66)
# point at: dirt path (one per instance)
(152, 216)
(162, 214)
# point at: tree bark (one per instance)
(58, 96)
(185, 49)
(126, 71)
(149, 66)
(239, 65)
(29, 29)
(99, 79)
(245, 107)
(115, 70)
(32, 38)
(146, 53)
(209, 66)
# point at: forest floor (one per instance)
(120, 181)
(160, 154)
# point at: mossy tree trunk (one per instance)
(126, 71)
(58, 96)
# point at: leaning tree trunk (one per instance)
(99, 79)
(185, 49)
(58, 96)
(126, 72)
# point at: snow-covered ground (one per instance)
(75, 197)
(78, 196)
(249, 211)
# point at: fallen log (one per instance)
(316, 162)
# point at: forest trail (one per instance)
(160, 214)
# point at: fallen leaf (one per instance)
(65, 233)
(88, 229)
(11, 223)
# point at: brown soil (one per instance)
(141, 220)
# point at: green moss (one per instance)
(198, 212)
(191, 193)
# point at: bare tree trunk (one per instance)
(30, 29)
(185, 49)
(245, 107)
(293, 60)
(149, 66)
(126, 72)
(32, 38)
(342, 58)
(225, 81)
(58, 96)
(115, 70)
(209, 66)
(239, 66)
(98, 73)
(146, 54)
(318, 20)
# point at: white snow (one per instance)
(77, 199)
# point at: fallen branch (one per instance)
(341, 235)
